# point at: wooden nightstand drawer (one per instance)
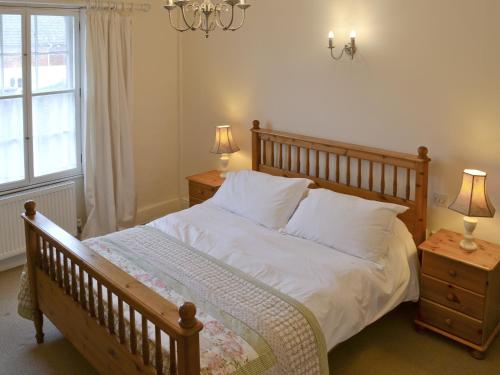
(451, 321)
(201, 192)
(454, 272)
(452, 296)
(203, 186)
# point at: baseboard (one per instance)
(12, 262)
(184, 202)
(155, 211)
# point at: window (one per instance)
(40, 135)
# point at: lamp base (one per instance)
(468, 243)
(224, 164)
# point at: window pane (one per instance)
(11, 47)
(54, 133)
(52, 47)
(11, 140)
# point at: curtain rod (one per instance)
(117, 5)
(94, 4)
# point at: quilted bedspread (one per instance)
(249, 328)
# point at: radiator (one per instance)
(56, 202)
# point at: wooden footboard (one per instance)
(63, 274)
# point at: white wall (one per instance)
(156, 138)
(427, 73)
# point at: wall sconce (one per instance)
(349, 49)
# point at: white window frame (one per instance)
(30, 181)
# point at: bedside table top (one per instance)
(210, 178)
(447, 244)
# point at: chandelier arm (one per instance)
(241, 23)
(197, 26)
(232, 19)
(219, 21)
(175, 27)
(200, 22)
(204, 23)
(195, 13)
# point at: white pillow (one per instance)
(346, 223)
(263, 198)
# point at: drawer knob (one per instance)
(451, 297)
(452, 273)
(448, 322)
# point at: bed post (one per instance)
(188, 351)
(256, 152)
(32, 256)
(422, 178)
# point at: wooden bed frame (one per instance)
(59, 265)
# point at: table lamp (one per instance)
(224, 146)
(473, 202)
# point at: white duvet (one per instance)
(345, 293)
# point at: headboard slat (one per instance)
(367, 161)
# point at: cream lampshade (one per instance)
(224, 145)
(472, 201)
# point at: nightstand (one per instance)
(460, 291)
(203, 186)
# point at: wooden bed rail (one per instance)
(63, 276)
(362, 171)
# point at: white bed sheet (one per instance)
(345, 293)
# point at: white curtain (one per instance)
(108, 162)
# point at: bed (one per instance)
(126, 320)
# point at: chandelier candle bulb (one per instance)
(353, 34)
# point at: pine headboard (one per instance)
(366, 172)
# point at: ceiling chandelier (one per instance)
(207, 15)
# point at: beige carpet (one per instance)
(390, 346)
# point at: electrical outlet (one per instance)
(440, 200)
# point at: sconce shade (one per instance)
(224, 142)
(473, 200)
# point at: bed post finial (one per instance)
(256, 146)
(187, 313)
(423, 153)
(30, 207)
